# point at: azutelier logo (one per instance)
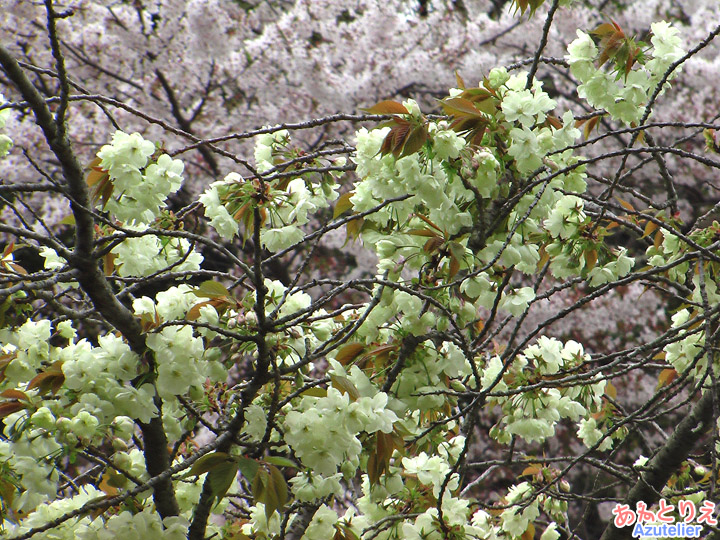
(664, 522)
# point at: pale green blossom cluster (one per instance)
(624, 97)
(141, 184)
(300, 200)
(285, 209)
(215, 211)
(96, 402)
(124, 525)
(5, 141)
(566, 222)
(685, 352)
(323, 432)
(528, 109)
(441, 194)
(534, 413)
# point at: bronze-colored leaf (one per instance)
(387, 107)
(658, 240)
(458, 106)
(345, 386)
(11, 393)
(591, 257)
(9, 407)
(590, 125)
(650, 227)
(347, 353)
(96, 173)
(454, 267)
(666, 377)
(106, 484)
(626, 205)
(16, 268)
(414, 141)
(47, 381)
(423, 232)
(432, 244)
(610, 390)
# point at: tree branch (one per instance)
(90, 277)
(659, 469)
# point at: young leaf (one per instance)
(454, 267)
(315, 391)
(47, 381)
(590, 125)
(666, 377)
(276, 492)
(387, 107)
(11, 393)
(414, 141)
(221, 477)
(423, 232)
(207, 463)
(348, 353)
(343, 204)
(248, 467)
(9, 407)
(108, 483)
(458, 106)
(211, 289)
(354, 227)
(345, 386)
(626, 205)
(650, 227)
(591, 257)
(281, 461)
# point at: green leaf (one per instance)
(207, 463)
(281, 461)
(315, 391)
(248, 467)
(211, 289)
(259, 483)
(275, 494)
(221, 477)
(457, 250)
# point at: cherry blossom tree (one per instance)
(528, 334)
